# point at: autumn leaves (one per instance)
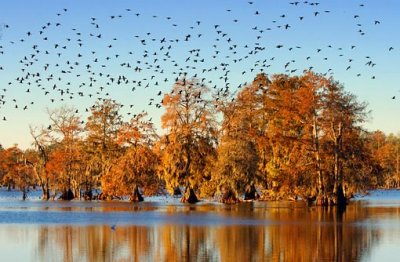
(288, 137)
(280, 137)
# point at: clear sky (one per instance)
(72, 52)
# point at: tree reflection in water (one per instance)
(294, 234)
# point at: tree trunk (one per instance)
(45, 191)
(77, 193)
(339, 198)
(67, 195)
(336, 196)
(136, 196)
(88, 194)
(322, 200)
(229, 197)
(264, 168)
(321, 194)
(24, 194)
(45, 194)
(251, 194)
(189, 196)
(75, 188)
(177, 191)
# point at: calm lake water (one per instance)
(165, 230)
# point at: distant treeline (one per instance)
(283, 137)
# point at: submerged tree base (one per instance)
(88, 195)
(177, 192)
(46, 194)
(189, 197)
(136, 196)
(229, 198)
(106, 197)
(67, 195)
(339, 200)
(251, 194)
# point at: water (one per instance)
(165, 230)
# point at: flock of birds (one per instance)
(62, 64)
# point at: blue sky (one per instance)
(228, 33)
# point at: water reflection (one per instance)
(292, 234)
